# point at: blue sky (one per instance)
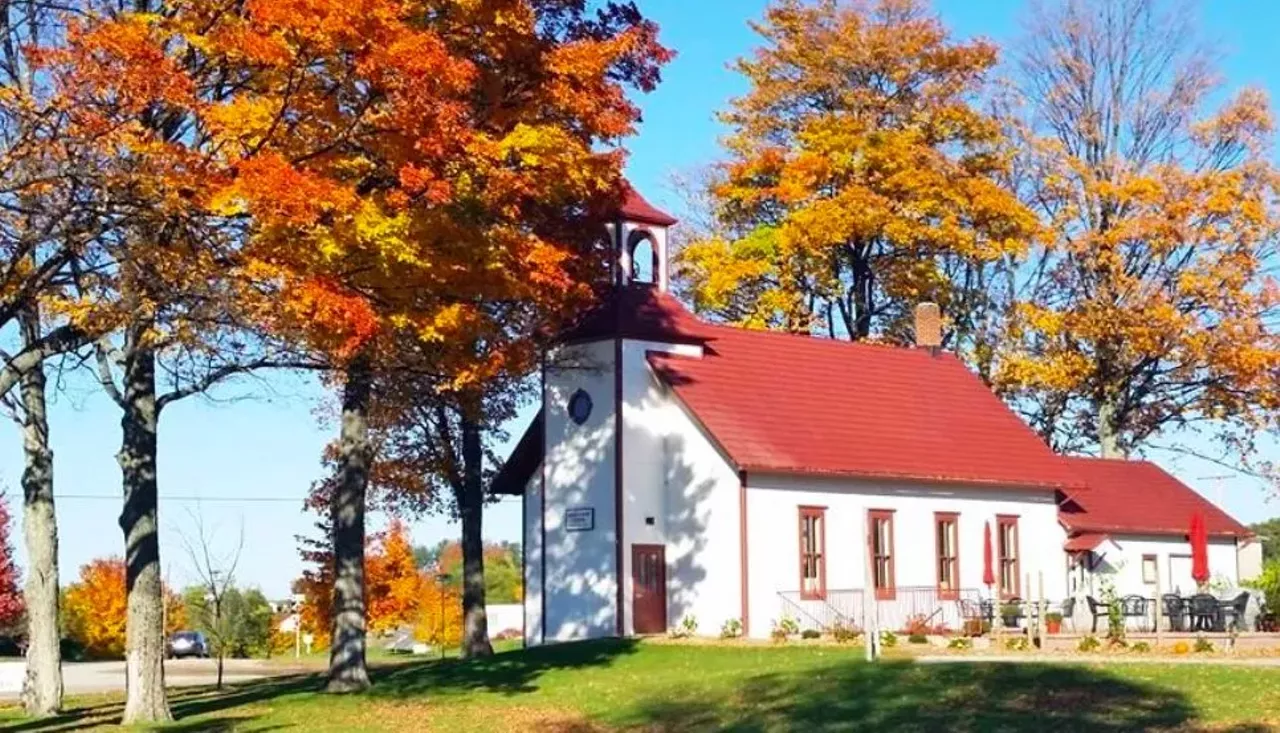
(250, 463)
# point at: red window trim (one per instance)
(890, 592)
(1002, 521)
(820, 513)
(953, 593)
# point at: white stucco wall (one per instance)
(581, 590)
(532, 550)
(773, 535)
(1249, 554)
(1122, 561)
(676, 477)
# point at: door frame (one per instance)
(636, 549)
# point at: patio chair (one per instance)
(1175, 610)
(1133, 606)
(1236, 611)
(988, 611)
(972, 617)
(1097, 609)
(1069, 612)
(1206, 612)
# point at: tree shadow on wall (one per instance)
(686, 523)
(896, 696)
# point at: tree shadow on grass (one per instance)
(906, 696)
(184, 702)
(510, 673)
(507, 673)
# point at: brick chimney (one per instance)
(928, 326)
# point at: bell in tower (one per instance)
(640, 242)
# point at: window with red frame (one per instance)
(813, 552)
(1007, 554)
(880, 546)
(947, 533)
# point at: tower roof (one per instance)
(636, 208)
(638, 311)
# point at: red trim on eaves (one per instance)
(742, 553)
(617, 482)
(542, 508)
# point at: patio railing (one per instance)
(845, 606)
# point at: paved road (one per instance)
(82, 677)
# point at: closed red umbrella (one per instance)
(1199, 549)
(988, 573)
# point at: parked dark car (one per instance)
(187, 644)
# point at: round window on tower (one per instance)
(580, 407)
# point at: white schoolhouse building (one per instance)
(679, 468)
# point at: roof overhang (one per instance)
(1085, 542)
(523, 462)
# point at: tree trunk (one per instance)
(145, 699)
(347, 671)
(475, 633)
(863, 287)
(1108, 434)
(42, 686)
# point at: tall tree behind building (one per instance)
(1148, 313)
(862, 178)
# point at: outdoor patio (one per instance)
(1236, 613)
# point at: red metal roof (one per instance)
(1082, 542)
(799, 404)
(635, 208)
(1138, 497)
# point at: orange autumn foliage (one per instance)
(437, 156)
(94, 609)
(395, 590)
(440, 619)
(862, 177)
(1147, 312)
(393, 585)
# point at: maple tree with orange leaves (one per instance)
(1146, 317)
(338, 175)
(95, 608)
(863, 176)
(397, 590)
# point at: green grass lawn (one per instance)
(629, 686)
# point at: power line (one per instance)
(176, 497)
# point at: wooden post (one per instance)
(1044, 609)
(1027, 603)
(1159, 608)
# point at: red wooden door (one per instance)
(649, 588)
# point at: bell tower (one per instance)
(640, 243)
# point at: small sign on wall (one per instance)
(580, 519)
